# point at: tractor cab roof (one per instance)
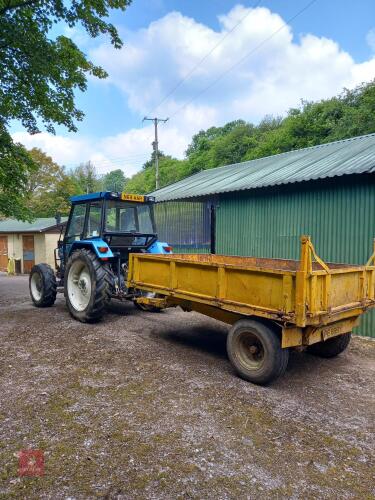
(111, 195)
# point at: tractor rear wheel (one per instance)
(42, 285)
(87, 286)
(255, 351)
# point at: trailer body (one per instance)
(311, 300)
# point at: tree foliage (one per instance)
(39, 75)
(86, 178)
(170, 170)
(350, 114)
(49, 187)
(15, 168)
(114, 180)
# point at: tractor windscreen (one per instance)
(122, 217)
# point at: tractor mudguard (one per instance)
(93, 245)
(159, 247)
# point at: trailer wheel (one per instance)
(255, 351)
(42, 285)
(331, 347)
(87, 286)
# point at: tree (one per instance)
(170, 170)
(86, 178)
(15, 167)
(40, 74)
(114, 180)
(45, 176)
(49, 187)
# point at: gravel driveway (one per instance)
(147, 405)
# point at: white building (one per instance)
(28, 243)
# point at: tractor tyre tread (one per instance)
(102, 285)
(47, 274)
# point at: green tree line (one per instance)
(349, 114)
(50, 186)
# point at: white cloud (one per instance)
(124, 151)
(128, 150)
(276, 74)
(64, 150)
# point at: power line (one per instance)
(117, 162)
(120, 161)
(120, 158)
(178, 84)
(109, 161)
(238, 63)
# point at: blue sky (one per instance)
(326, 47)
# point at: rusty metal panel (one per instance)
(259, 287)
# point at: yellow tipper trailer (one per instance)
(273, 304)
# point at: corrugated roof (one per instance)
(348, 156)
(37, 226)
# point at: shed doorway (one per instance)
(3, 253)
(28, 253)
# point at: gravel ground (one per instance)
(147, 405)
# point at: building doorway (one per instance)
(28, 253)
(3, 253)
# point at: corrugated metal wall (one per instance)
(184, 225)
(338, 214)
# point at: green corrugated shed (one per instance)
(339, 215)
(327, 192)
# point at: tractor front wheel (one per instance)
(87, 286)
(42, 285)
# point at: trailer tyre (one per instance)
(42, 285)
(331, 347)
(255, 351)
(87, 286)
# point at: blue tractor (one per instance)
(92, 256)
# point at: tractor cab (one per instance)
(118, 222)
(92, 257)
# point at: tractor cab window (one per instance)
(122, 217)
(94, 219)
(77, 220)
(145, 220)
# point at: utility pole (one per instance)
(155, 145)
